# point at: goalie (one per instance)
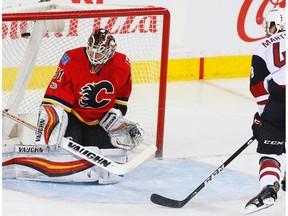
(87, 99)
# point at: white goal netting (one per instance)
(31, 51)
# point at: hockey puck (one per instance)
(25, 35)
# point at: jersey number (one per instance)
(277, 58)
(58, 75)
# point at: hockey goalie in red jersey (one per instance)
(268, 86)
(87, 99)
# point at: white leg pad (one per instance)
(117, 155)
(51, 126)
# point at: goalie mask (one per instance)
(275, 17)
(101, 47)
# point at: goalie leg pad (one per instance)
(51, 125)
(117, 155)
(15, 164)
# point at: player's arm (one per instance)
(58, 99)
(59, 90)
(259, 72)
(121, 101)
(123, 94)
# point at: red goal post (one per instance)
(31, 54)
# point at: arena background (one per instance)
(206, 42)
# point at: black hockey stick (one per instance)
(164, 201)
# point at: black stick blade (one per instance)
(167, 202)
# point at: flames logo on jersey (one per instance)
(96, 95)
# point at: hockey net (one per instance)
(32, 48)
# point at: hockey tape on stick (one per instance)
(164, 201)
(21, 121)
(93, 157)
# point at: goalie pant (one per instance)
(54, 123)
(88, 136)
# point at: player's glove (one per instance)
(256, 125)
(123, 134)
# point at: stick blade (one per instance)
(167, 202)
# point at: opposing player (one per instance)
(87, 99)
(268, 86)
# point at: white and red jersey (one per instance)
(88, 96)
(268, 65)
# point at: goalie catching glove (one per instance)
(123, 134)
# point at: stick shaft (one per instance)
(21, 121)
(164, 201)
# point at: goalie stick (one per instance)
(164, 201)
(93, 157)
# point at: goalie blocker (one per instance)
(123, 134)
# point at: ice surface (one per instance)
(206, 122)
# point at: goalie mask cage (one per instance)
(35, 37)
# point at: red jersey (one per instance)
(88, 96)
